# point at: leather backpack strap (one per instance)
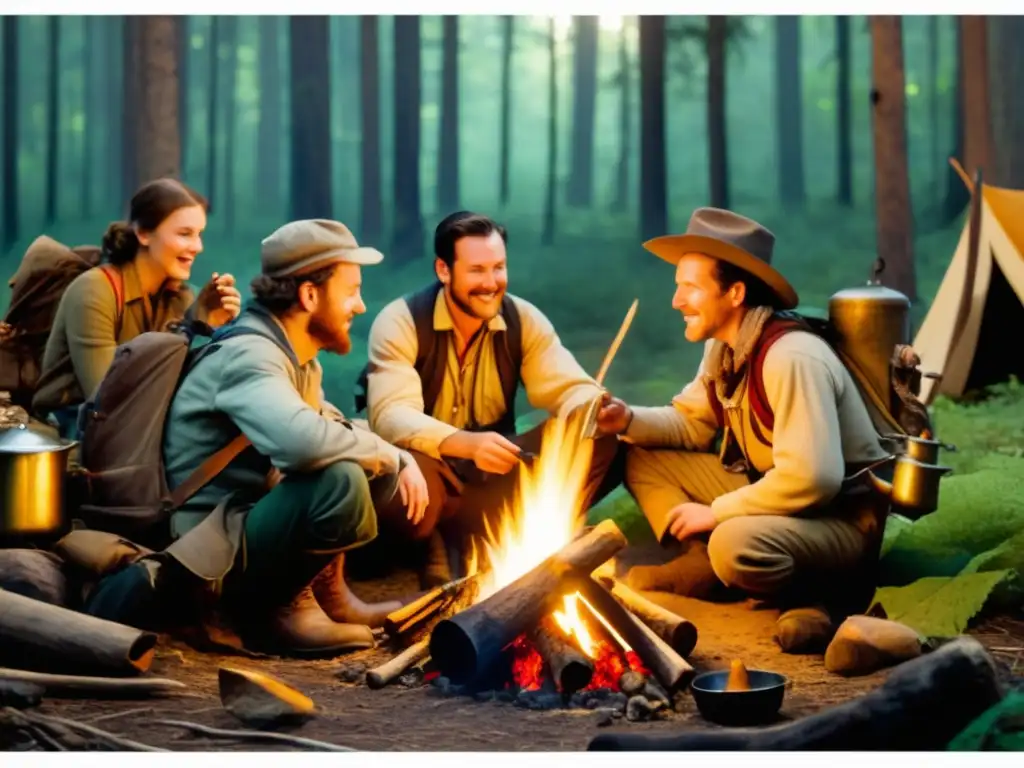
(116, 281)
(208, 470)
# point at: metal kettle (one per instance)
(33, 475)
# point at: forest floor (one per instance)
(422, 719)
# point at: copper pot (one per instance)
(33, 475)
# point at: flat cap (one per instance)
(308, 244)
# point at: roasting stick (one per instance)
(590, 423)
(385, 673)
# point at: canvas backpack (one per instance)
(432, 355)
(123, 485)
(44, 274)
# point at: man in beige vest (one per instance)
(768, 513)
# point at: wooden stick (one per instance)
(282, 738)
(389, 670)
(569, 667)
(39, 635)
(668, 667)
(117, 686)
(49, 721)
(679, 633)
(413, 622)
(467, 644)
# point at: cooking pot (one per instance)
(33, 473)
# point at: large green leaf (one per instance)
(940, 606)
(999, 728)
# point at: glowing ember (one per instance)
(609, 665)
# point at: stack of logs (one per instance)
(466, 638)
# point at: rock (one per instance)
(33, 573)
(483, 696)
(505, 697)
(411, 678)
(20, 695)
(655, 692)
(632, 682)
(547, 701)
(617, 700)
(604, 716)
(864, 644)
(639, 709)
(351, 674)
(260, 700)
(524, 699)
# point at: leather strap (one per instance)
(208, 470)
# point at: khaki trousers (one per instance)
(764, 555)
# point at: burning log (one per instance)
(468, 643)
(420, 616)
(668, 667)
(388, 671)
(34, 634)
(570, 669)
(679, 633)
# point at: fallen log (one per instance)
(922, 705)
(119, 687)
(389, 670)
(679, 633)
(421, 614)
(668, 667)
(570, 669)
(467, 644)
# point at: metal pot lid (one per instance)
(21, 439)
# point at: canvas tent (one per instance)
(988, 348)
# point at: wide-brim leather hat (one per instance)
(731, 238)
(303, 246)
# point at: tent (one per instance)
(986, 348)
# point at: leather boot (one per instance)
(436, 568)
(304, 629)
(341, 604)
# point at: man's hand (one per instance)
(614, 416)
(413, 489)
(220, 300)
(490, 451)
(689, 519)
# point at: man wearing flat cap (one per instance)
(272, 527)
(768, 513)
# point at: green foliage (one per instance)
(940, 606)
(1000, 728)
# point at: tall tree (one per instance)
(369, 97)
(212, 110)
(551, 194)
(718, 145)
(584, 101)
(1007, 90)
(957, 196)
(113, 100)
(9, 154)
(268, 132)
(311, 118)
(52, 117)
(934, 128)
(91, 109)
(158, 134)
(130, 95)
(893, 213)
(620, 201)
(789, 109)
(844, 114)
(408, 227)
(977, 125)
(507, 39)
(653, 179)
(448, 141)
(183, 36)
(230, 107)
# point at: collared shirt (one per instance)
(471, 392)
(86, 332)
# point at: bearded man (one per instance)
(769, 514)
(444, 367)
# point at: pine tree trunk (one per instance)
(369, 96)
(957, 197)
(584, 102)
(844, 114)
(620, 202)
(268, 132)
(9, 107)
(113, 95)
(976, 122)
(550, 198)
(507, 39)
(935, 159)
(311, 118)
(52, 117)
(159, 141)
(653, 175)
(184, 57)
(1006, 57)
(90, 112)
(893, 212)
(448, 141)
(212, 109)
(408, 227)
(789, 109)
(718, 156)
(130, 95)
(230, 107)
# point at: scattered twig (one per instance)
(118, 685)
(223, 733)
(112, 738)
(114, 715)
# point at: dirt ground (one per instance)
(419, 719)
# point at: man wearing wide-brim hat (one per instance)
(764, 514)
(271, 529)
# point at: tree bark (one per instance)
(52, 117)
(957, 197)
(1006, 57)
(369, 96)
(130, 98)
(159, 142)
(408, 237)
(550, 198)
(448, 141)
(620, 202)
(844, 114)
(569, 668)
(789, 110)
(90, 111)
(653, 174)
(584, 102)
(893, 213)
(718, 158)
(212, 108)
(975, 104)
(680, 634)
(935, 159)
(230, 106)
(311, 119)
(184, 40)
(507, 39)
(268, 133)
(9, 108)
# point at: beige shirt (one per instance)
(821, 425)
(553, 379)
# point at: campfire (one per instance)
(540, 608)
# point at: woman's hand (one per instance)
(219, 301)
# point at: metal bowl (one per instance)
(756, 706)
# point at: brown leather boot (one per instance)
(304, 629)
(436, 567)
(341, 604)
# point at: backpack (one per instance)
(901, 415)
(122, 483)
(432, 355)
(44, 274)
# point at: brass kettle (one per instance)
(33, 474)
(914, 488)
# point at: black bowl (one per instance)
(759, 705)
